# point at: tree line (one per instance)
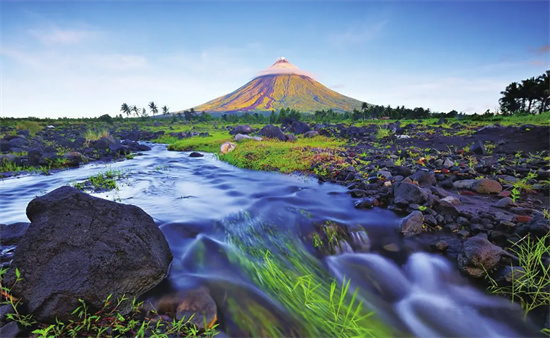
(530, 96)
(142, 112)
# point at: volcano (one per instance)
(282, 85)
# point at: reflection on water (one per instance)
(204, 206)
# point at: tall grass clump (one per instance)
(530, 284)
(319, 305)
(94, 135)
(32, 126)
(382, 132)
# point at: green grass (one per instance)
(103, 181)
(292, 277)
(268, 154)
(106, 322)
(210, 144)
(539, 119)
(285, 157)
(531, 286)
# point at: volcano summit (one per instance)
(282, 85)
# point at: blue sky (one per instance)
(86, 58)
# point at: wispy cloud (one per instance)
(544, 49)
(358, 33)
(56, 35)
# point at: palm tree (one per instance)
(143, 112)
(529, 91)
(364, 107)
(543, 91)
(153, 108)
(509, 102)
(165, 111)
(135, 110)
(125, 109)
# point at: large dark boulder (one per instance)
(104, 143)
(241, 129)
(272, 132)
(299, 128)
(34, 156)
(84, 247)
(18, 142)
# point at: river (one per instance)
(210, 212)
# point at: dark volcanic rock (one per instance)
(241, 129)
(412, 224)
(424, 178)
(311, 133)
(34, 156)
(478, 148)
(272, 132)
(407, 193)
(298, 127)
(10, 234)
(84, 247)
(479, 255)
(195, 154)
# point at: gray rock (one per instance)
(4, 311)
(479, 255)
(290, 138)
(424, 178)
(18, 142)
(482, 186)
(73, 158)
(412, 224)
(407, 193)
(478, 148)
(84, 247)
(384, 173)
(240, 137)
(448, 163)
(311, 134)
(10, 330)
(504, 202)
(196, 303)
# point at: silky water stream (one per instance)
(221, 223)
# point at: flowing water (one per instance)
(209, 211)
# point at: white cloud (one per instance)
(54, 82)
(55, 35)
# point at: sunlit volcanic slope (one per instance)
(282, 85)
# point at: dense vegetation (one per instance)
(531, 96)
